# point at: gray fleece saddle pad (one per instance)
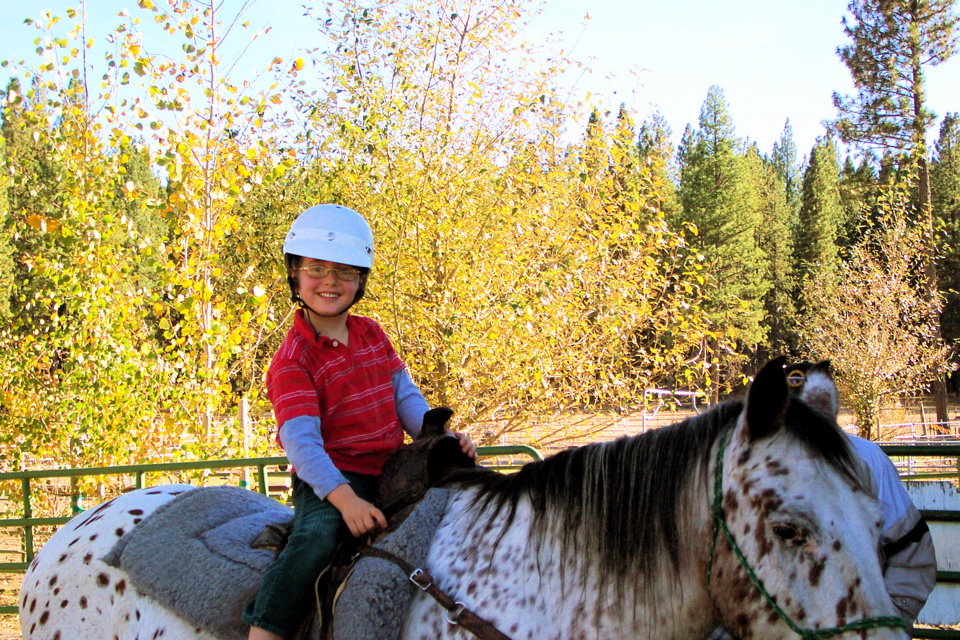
(376, 595)
(193, 556)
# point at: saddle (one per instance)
(406, 477)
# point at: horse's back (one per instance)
(69, 593)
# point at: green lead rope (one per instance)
(721, 523)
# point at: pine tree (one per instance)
(893, 41)
(135, 187)
(594, 155)
(945, 187)
(820, 219)
(625, 158)
(624, 133)
(32, 177)
(718, 197)
(785, 162)
(859, 189)
(654, 138)
(137, 175)
(945, 172)
(775, 239)
(656, 154)
(708, 171)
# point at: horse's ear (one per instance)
(767, 400)
(435, 422)
(820, 391)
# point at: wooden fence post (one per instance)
(245, 428)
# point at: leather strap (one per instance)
(914, 535)
(457, 612)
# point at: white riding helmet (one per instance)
(331, 232)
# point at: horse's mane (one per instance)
(622, 496)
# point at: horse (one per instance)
(754, 515)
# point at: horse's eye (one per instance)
(788, 533)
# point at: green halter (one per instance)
(721, 523)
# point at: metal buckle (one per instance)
(456, 612)
(417, 578)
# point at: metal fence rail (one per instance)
(937, 459)
(495, 457)
(932, 461)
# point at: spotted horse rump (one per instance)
(753, 515)
(69, 593)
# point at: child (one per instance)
(342, 398)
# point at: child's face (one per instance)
(331, 294)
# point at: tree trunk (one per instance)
(930, 268)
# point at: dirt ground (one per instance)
(9, 627)
(9, 623)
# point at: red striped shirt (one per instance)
(350, 388)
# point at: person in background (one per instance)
(910, 563)
(342, 399)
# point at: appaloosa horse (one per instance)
(753, 515)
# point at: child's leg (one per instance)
(287, 590)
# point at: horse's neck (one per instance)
(694, 614)
(548, 586)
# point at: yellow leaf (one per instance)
(298, 64)
(42, 224)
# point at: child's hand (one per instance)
(466, 445)
(359, 515)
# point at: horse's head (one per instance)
(796, 533)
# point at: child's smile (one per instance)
(329, 295)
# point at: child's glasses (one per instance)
(318, 271)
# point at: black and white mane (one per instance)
(620, 499)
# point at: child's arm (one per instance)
(303, 445)
(411, 405)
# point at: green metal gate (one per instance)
(265, 470)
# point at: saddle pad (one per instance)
(193, 555)
(377, 593)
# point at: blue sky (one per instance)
(774, 59)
